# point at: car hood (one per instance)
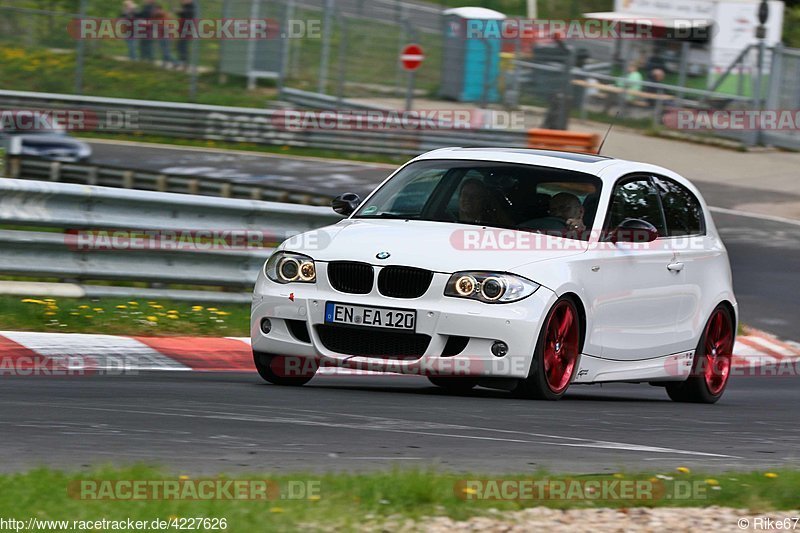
(436, 246)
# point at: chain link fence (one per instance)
(348, 47)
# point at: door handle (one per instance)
(675, 267)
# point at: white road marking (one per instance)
(575, 442)
(749, 214)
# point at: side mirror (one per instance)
(634, 230)
(346, 203)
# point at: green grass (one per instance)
(348, 501)
(43, 70)
(119, 316)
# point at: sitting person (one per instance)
(566, 215)
(477, 205)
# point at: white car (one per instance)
(525, 270)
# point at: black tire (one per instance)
(456, 385)
(536, 385)
(696, 388)
(270, 367)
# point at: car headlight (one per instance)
(288, 267)
(489, 287)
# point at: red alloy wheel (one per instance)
(561, 346)
(718, 350)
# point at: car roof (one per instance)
(580, 162)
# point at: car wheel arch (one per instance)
(581, 314)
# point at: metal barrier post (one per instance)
(344, 29)
(326, 47)
(81, 54)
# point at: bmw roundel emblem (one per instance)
(382, 255)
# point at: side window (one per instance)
(681, 209)
(636, 198)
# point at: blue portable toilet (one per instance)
(471, 54)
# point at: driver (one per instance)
(477, 204)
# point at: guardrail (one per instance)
(258, 126)
(118, 177)
(59, 207)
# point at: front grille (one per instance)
(373, 343)
(404, 282)
(351, 277)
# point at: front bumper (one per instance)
(439, 317)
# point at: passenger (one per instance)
(566, 215)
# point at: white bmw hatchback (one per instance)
(517, 269)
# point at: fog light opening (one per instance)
(499, 349)
(266, 326)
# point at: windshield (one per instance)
(504, 195)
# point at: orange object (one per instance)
(568, 141)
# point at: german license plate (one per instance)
(374, 317)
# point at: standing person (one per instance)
(160, 17)
(146, 14)
(632, 81)
(186, 13)
(129, 8)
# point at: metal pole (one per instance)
(402, 40)
(683, 68)
(195, 60)
(255, 10)
(757, 89)
(410, 90)
(81, 54)
(761, 34)
(343, 28)
(286, 44)
(326, 46)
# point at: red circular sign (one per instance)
(412, 56)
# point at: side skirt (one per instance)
(673, 367)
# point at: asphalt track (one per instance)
(205, 423)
